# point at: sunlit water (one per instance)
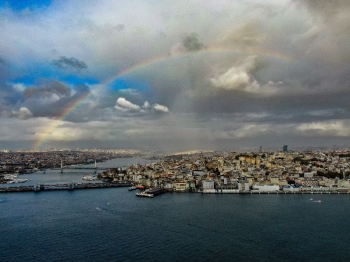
(112, 224)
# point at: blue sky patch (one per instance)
(19, 5)
(121, 83)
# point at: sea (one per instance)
(112, 224)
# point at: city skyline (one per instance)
(174, 76)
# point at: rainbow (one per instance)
(208, 50)
(70, 108)
(151, 62)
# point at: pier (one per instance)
(151, 192)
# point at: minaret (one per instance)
(61, 166)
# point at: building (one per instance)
(266, 188)
(208, 184)
(243, 185)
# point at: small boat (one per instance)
(132, 188)
(140, 187)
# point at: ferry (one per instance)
(144, 194)
(89, 177)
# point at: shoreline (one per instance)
(74, 186)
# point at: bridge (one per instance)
(83, 167)
(80, 167)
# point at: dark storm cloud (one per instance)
(326, 7)
(49, 88)
(52, 98)
(69, 63)
(192, 42)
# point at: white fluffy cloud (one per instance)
(124, 105)
(146, 104)
(233, 78)
(161, 108)
(241, 78)
(237, 77)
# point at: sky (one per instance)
(174, 75)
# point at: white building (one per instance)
(208, 184)
(243, 186)
(266, 188)
(308, 174)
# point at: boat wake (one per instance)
(314, 201)
(105, 209)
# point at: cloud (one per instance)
(69, 63)
(325, 7)
(53, 99)
(124, 105)
(233, 78)
(47, 89)
(241, 78)
(244, 35)
(326, 128)
(23, 113)
(192, 43)
(160, 108)
(138, 61)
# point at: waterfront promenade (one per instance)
(76, 186)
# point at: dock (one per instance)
(151, 192)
